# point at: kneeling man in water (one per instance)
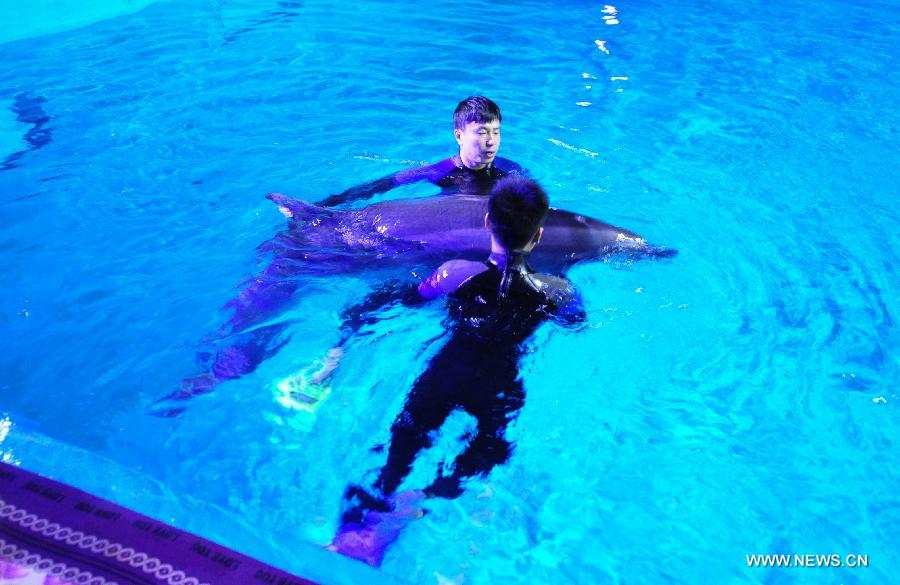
(494, 308)
(472, 171)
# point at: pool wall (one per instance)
(20, 20)
(27, 453)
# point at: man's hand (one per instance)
(328, 365)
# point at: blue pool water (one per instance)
(739, 399)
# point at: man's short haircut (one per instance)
(517, 208)
(477, 109)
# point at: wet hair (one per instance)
(517, 208)
(477, 109)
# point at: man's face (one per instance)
(478, 143)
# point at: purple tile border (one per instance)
(75, 537)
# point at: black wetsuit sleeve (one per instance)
(566, 305)
(366, 311)
(570, 311)
(432, 173)
(364, 191)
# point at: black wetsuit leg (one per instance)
(241, 355)
(482, 381)
(246, 351)
(427, 406)
(494, 397)
(262, 299)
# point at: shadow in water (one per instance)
(30, 111)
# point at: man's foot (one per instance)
(307, 389)
(299, 394)
(329, 364)
(368, 539)
(358, 501)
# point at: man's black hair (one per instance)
(517, 208)
(477, 109)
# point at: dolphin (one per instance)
(398, 232)
(452, 226)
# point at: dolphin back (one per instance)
(455, 224)
(448, 222)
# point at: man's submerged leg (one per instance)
(484, 452)
(423, 413)
(239, 355)
(489, 447)
(373, 522)
(373, 519)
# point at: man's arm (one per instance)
(364, 191)
(568, 308)
(449, 277)
(366, 311)
(443, 281)
(431, 173)
(571, 311)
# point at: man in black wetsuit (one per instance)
(473, 171)
(495, 307)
